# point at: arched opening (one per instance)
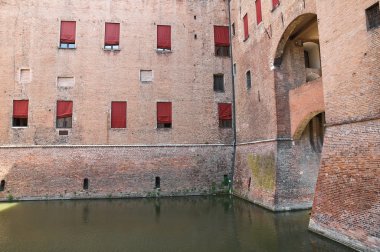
(300, 112)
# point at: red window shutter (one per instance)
(258, 11)
(112, 35)
(64, 109)
(245, 20)
(275, 3)
(164, 37)
(20, 108)
(68, 32)
(225, 111)
(164, 112)
(119, 115)
(221, 36)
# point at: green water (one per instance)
(167, 224)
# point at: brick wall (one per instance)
(113, 171)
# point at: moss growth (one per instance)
(263, 170)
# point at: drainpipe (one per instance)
(233, 98)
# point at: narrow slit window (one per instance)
(218, 82)
(20, 113)
(164, 115)
(67, 36)
(222, 41)
(259, 17)
(164, 37)
(246, 32)
(112, 36)
(233, 29)
(249, 183)
(2, 185)
(373, 16)
(64, 114)
(248, 79)
(85, 184)
(119, 114)
(157, 183)
(225, 115)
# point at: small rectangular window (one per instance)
(248, 78)
(67, 37)
(64, 114)
(373, 16)
(222, 40)
(146, 75)
(246, 33)
(157, 183)
(119, 114)
(218, 82)
(20, 113)
(258, 11)
(112, 36)
(164, 37)
(164, 115)
(225, 115)
(275, 3)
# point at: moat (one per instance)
(219, 223)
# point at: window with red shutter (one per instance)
(112, 36)
(164, 114)
(119, 114)
(245, 21)
(64, 114)
(67, 36)
(20, 113)
(225, 115)
(222, 40)
(164, 37)
(275, 3)
(258, 11)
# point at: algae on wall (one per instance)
(263, 170)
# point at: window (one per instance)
(233, 29)
(2, 185)
(20, 113)
(248, 78)
(118, 114)
(67, 37)
(218, 82)
(222, 41)
(245, 20)
(146, 75)
(164, 115)
(64, 114)
(157, 183)
(85, 184)
(275, 3)
(258, 11)
(164, 37)
(225, 115)
(373, 16)
(112, 36)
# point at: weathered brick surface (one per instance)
(58, 172)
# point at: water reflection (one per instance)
(165, 224)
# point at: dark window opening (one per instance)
(317, 132)
(226, 180)
(157, 183)
(248, 78)
(85, 184)
(373, 16)
(64, 122)
(20, 122)
(195, 36)
(249, 183)
(307, 59)
(219, 82)
(222, 51)
(225, 123)
(2, 185)
(164, 125)
(195, 17)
